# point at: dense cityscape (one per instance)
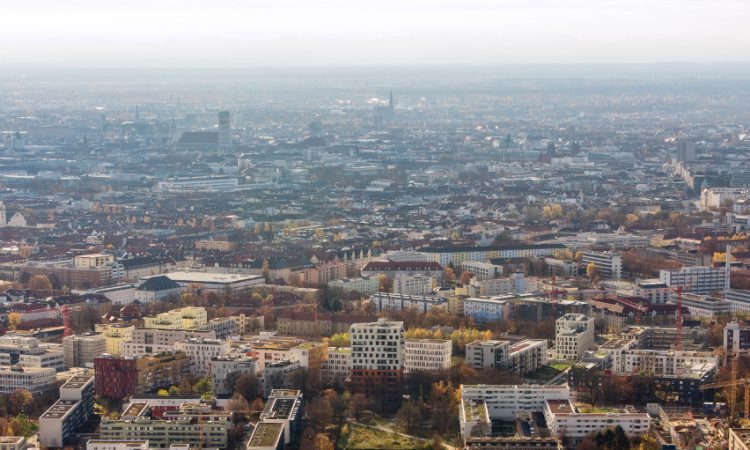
(359, 259)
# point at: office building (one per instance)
(80, 350)
(696, 279)
(59, 424)
(608, 264)
(736, 337)
(37, 380)
(739, 300)
(427, 355)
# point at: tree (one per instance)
(449, 274)
(22, 426)
(339, 340)
(162, 393)
(14, 319)
(203, 387)
(173, 391)
(358, 405)
(409, 417)
(466, 277)
(247, 385)
(19, 400)
(591, 270)
(40, 283)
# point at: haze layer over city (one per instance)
(347, 225)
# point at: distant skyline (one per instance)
(320, 33)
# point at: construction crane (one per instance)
(732, 397)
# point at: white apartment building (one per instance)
(337, 368)
(653, 290)
(150, 341)
(484, 310)
(516, 283)
(201, 352)
(413, 284)
(422, 303)
(521, 357)
(564, 419)
(427, 355)
(178, 319)
(223, 367)
(506, 401)
(36, 380)
(695, 279)
(664, 362)
(574, 334)
(608, 264)
(363, 285)
(482, 270)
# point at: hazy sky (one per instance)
(269, 33)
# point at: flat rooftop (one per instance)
(135, 409)
(77, 382)
(266, 435)
(59, 409)
(208, 277)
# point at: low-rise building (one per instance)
(575, 423)
(37, 380)
(193, 424)
(363, 285)
(422, 303)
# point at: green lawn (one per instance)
(361, 438)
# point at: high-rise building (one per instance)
(83, 349)
(69, 413)
(686, 151)
(225, 130)
(377, 353)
